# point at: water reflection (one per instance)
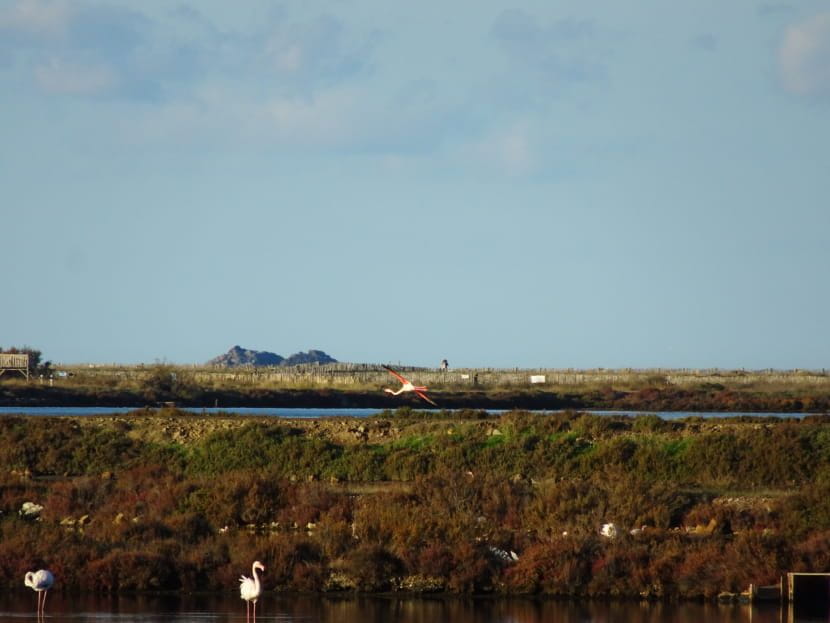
(227, 608)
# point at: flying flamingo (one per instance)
(249, 589)
(407, 386)
(40, 581)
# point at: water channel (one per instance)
(311, 413)
(227, 608)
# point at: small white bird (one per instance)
(40, 581)
(407, 386)
(249, 589)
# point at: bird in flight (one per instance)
(407, 386)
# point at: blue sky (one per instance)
(535, 184)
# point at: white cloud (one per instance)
(511, 151)
(85, 48)
(36, 17)
(338, 119)
(308, 84)
(706, 41)
(221, 114)
(66, 78)
(561, 52)
(804, 56)
(326, 119)
(319, 51)
(210, 115)
(289, 59)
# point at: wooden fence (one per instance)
(373, 375)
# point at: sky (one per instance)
(502, 184)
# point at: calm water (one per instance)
(228, 608)
(318, 413)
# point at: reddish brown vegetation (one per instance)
(123, 514)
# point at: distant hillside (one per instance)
(312, 356)
(238, 356)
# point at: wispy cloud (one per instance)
(61, 77)
(348, 118)
(775, 8)
(124, 53)
(317, 52)
(560, 52)
(706, 42)
(35, 17)
(80, 49)
(512, 150)
(320, 83)
(327, 119)
(804, 57)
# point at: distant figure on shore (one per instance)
(445, 365)
(40, 581)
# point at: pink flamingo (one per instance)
(249, 589)
(40, 581)
(407, 386)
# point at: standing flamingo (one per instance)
(249, 589)
(407, 386)
(40, 581)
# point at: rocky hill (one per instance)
(312, 356)
(238, 356)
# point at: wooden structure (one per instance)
(772, 592)
(813, 588)
(14, 362)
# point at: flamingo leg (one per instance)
(255, 611)
(43, 603)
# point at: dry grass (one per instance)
(360, 377)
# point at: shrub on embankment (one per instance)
(450, 499)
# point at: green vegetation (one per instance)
(165, 500)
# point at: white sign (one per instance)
(537, 378)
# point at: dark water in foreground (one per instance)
(318, 413)
(227, 608)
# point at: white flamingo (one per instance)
(249, 589)
(40, 581)
(407, 386)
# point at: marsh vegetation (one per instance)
(416, 502)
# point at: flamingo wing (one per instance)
(395, 374)
(247, 588)
(425, 397)
(40, 580)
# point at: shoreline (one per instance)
(643, 400)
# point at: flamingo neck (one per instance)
(256, 577)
